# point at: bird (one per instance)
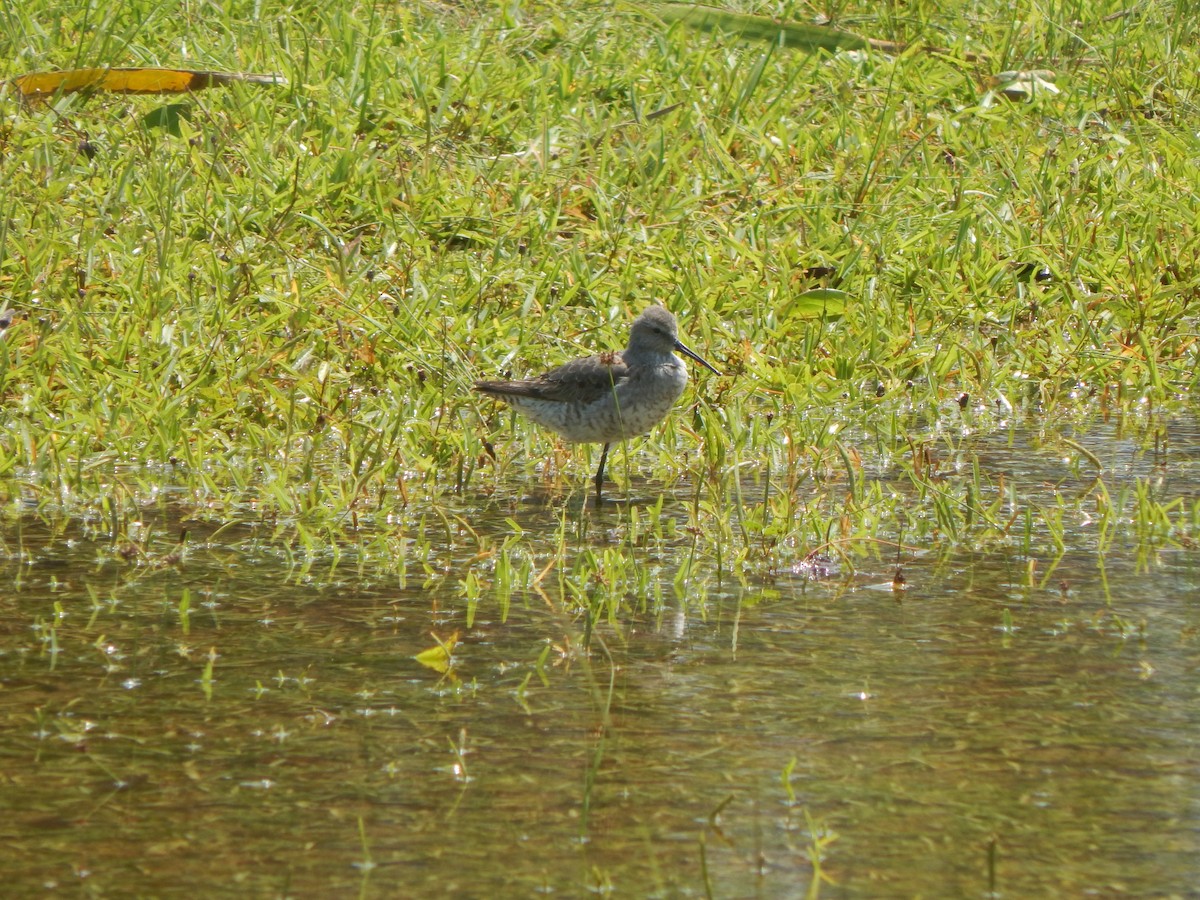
(611, 396)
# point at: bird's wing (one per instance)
(579, 381)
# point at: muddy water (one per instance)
(226, 726)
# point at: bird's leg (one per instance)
(600, 475)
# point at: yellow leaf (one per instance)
(439, 658)
(130, 81)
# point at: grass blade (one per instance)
(759, 28)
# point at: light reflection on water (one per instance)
(703, 738)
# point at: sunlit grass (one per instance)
(273, 317)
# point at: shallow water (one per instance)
(981, 730)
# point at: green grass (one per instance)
(273, 317)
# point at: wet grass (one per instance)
(268, 316)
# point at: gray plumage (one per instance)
(611, 396)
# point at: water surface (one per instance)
(225, 723)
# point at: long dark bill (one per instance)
(691, 354)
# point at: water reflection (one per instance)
(275, 734)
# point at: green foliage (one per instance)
(246, 489)
(266, 305)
